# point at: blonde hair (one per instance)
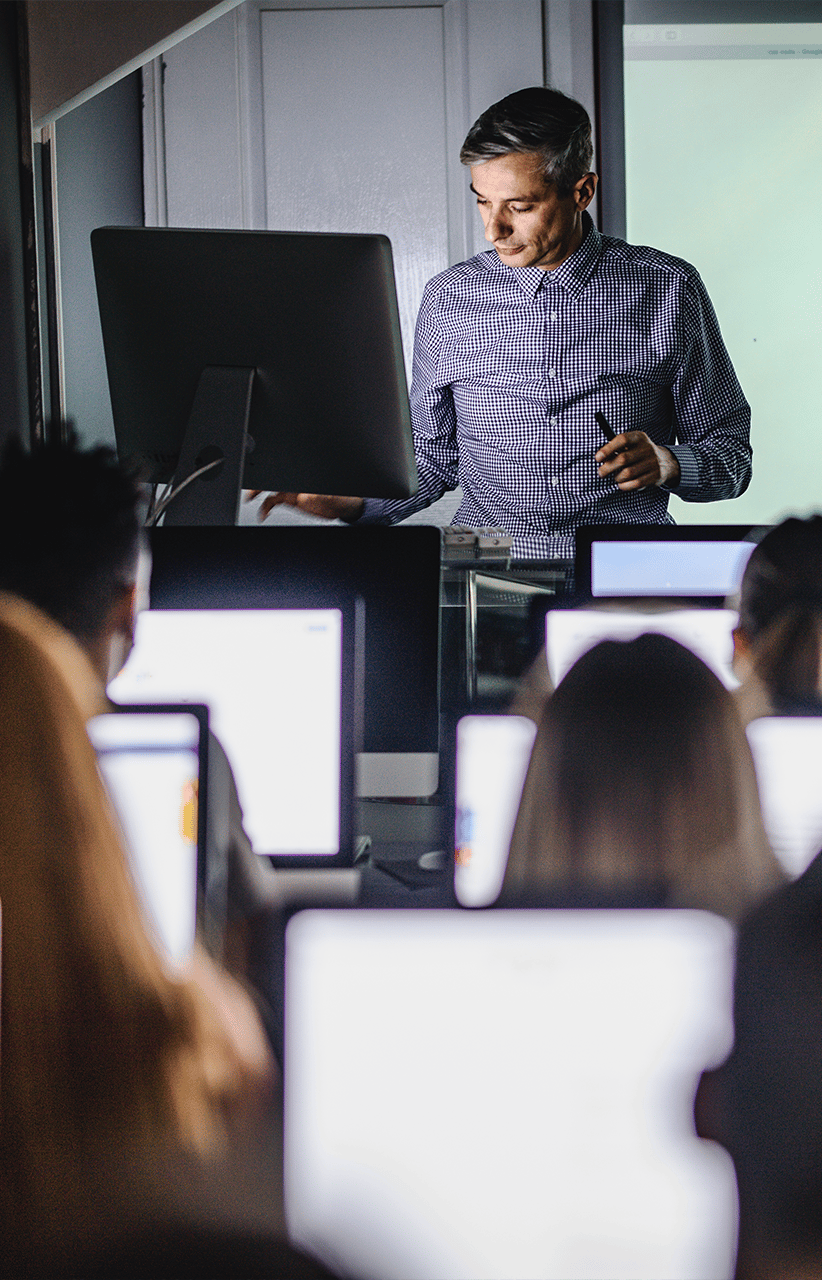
(101, 1050)
(641, 779)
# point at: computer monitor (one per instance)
(292, 337)
(706, 632)
(153, 762)
(787, 752)
(396, 572)
(493, 754)
(700, 563)
(506, 1093)
(280, 685)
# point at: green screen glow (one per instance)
(723, 128)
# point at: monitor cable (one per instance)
(168, 498)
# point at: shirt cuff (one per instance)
(373, 512)
(688, 470)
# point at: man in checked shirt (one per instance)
(518, 348)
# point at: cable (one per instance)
(169, 497)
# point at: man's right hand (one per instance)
(326, 505)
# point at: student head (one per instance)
(69, 542)
(641, 781)
(537, 120)
(105, 1055)
(764, 1104)
(779, 636)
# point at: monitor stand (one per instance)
(217, 431)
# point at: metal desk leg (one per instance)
(471, 634)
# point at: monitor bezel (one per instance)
(587, 535)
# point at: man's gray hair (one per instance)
(538, 120)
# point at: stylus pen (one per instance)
(605, 426)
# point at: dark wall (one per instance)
(14, 413)
(99, 183)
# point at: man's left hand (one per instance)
(635, 462)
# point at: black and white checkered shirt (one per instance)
(511, 364)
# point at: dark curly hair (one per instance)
(69, 530)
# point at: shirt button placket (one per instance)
(551, 380)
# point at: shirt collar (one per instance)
(572, 275)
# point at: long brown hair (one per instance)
(101, 1048)
(641, 777)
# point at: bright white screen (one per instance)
(507, 1094)
(650, 568)
(492, 760)
(720, 120)
(707, 632)
(272, 681)
(151, 768)
(787, 752)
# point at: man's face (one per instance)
(525, 220)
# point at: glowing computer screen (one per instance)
(493, 753)
(700, 564)
(150, 763)
(787, 752)
(706, 632)
(489, 1094)
(272, 680)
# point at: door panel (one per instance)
(354, 106)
